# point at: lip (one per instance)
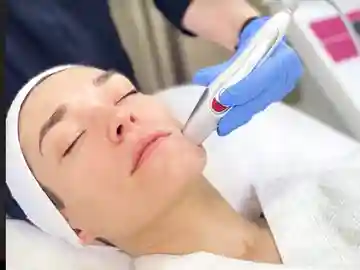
(145, 147)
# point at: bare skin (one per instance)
(89, 158)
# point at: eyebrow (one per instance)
(104, 77)
(55, 118)
(60, 112)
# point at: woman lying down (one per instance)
(92, 161)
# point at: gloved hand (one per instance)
(267, 84)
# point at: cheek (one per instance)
(151, 109)
(110, 206)
(99, 161)
(100, 203)
(93, 183)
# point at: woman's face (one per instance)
(115, 157)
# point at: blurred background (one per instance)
(163, 57)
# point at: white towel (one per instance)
(314, 217)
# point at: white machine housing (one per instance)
(330, 55)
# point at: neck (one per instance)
(202, 221)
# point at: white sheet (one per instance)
(315, 220)
(307, 180)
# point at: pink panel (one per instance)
(328, 28)
(354, 15)
(335, 37)
(342, 50)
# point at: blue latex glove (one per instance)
(267, 84)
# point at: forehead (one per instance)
(56, 90)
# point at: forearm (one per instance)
(218, 21)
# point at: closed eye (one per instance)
(132, 92)
(73, 144)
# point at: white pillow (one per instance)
(28, 248)
(274, 144)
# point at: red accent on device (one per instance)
(335, 38)
(217, 107)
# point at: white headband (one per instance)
(22, 184)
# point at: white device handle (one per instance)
(205, 116)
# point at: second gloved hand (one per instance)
(267, 84)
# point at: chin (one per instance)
(168, 174)
(164, 181)
(188, 162)
(175, 157)
(180, 167)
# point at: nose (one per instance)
(119, 126)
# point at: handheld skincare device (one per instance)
(208, 111)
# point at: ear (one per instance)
(85, 237)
